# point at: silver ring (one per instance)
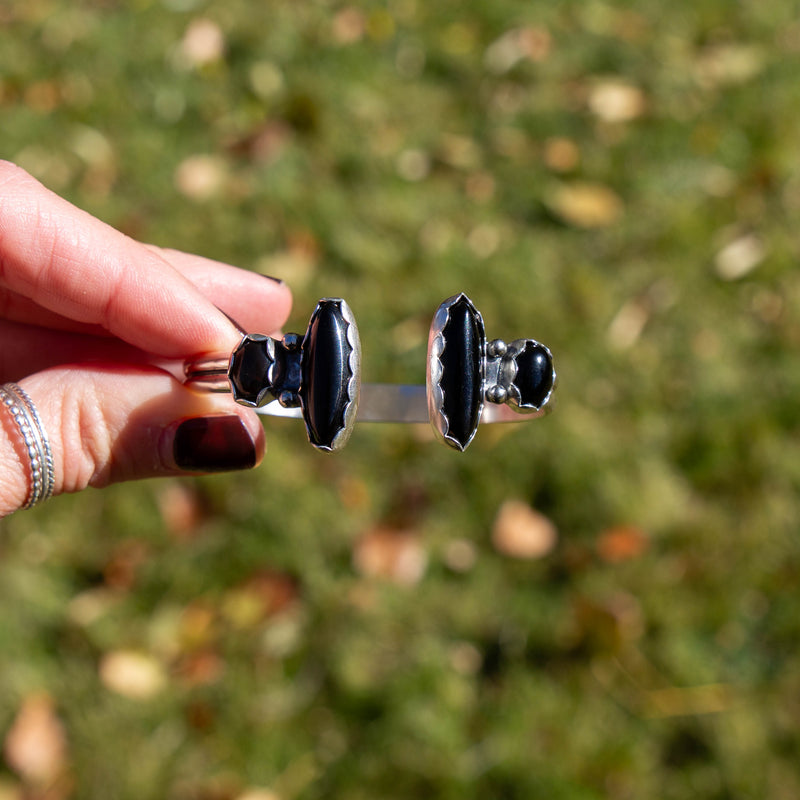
(37, 445)
(470, 380)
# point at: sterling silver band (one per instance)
(380, 402)
(37, 445)
(393, 402)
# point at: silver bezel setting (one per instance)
(435, 393)
(264, 394)
(354, 382)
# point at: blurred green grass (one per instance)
(579, 169)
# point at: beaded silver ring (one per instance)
(34, 437)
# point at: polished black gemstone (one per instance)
(249, 369)
(462, 371)
(535, 375)
(326, 373)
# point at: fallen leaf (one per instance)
(628, 324)
(91, 605)
(395, 555)
(729, 65)
(465, 658)
(203, 42)
(201, 177)
(348, 25)
(459, 152)
(503, 54)
(122, 567)
(521, 532)
(615, 101)
(276, 590)
(264, 144)
(258, 794)
(132, 674)
(197, 626)
(484, 239)
(35, 746)
(264, 595)
(182, 509)
(266, 79)
(43, 96)
(585, 205)
(353, 493)
(460, 555)
(413, 165)
(561, 154)
(739, 257)
(480, 186)
(201, 668)
(621, 543)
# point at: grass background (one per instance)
(395, 154)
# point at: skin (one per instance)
(94, 326)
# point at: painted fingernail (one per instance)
(270, 278)
(213, 444)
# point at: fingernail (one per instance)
(213, 444)
(270, 278)
(231, 320)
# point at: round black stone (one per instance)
(535, 375)
(249, 369)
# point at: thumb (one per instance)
(111, 424)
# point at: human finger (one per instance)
(26, 349)
(111, 424)
(17, 308)
(72, 264)
(258, 303)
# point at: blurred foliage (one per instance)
(620, 180)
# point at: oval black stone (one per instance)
(249, 368)
(535, 375)
(462, 371)
(326, 373)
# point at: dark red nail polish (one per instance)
(213, 444)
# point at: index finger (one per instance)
(70, 263)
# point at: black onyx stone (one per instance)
(462, 371)
(249, 369)
(535, 375)
(326, 373)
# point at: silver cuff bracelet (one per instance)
(317, 377)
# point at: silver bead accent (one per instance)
(497, 394)
(496, 349)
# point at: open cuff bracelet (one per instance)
(317, 377)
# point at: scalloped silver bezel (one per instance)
(435, 393)
(514, 348)
(263, 395)
(354, 383)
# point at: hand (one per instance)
(88, 318)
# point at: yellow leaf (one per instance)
(585, 205)
(132, 674)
